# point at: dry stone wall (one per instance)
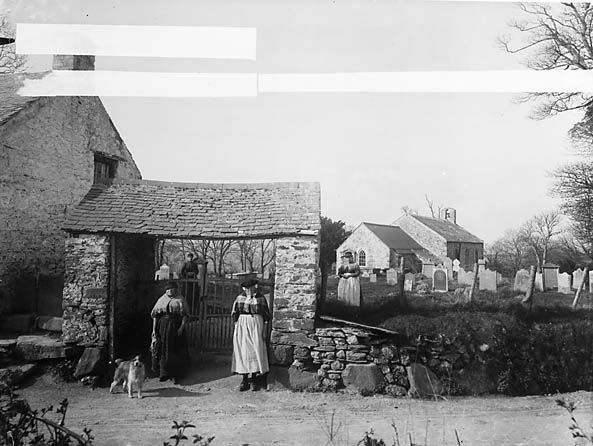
(86, 290)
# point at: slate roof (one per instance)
(450, 231)
(189, 210)
(10, 101)
(394, 237)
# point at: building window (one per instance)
(362, 258)
(104, 168)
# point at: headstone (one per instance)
(162, 273)
(550, 276)
(266, 274)
(373, 278)
(391, 276)
(463, 277)
(448, 263)
(488, 280)
(439, 280)
(577, 277)
(498, 278)
(423, 382)
(427, 269)
(409, 282)
(539, 282)
(564, 283)
(456, 265)
(590, 283)
(521, 281)
(481, 265)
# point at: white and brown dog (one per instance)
(130, 374)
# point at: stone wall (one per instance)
(295, 298)
(86, 290)
(377, 253)
(426, 237)
(46, 166)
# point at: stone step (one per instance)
(17, 323)
(7, 349)
(39, 347)
(49, 323)
(16, 373)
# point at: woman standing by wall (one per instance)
(169, 317)
(250, 355)
(349, 283)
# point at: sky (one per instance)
(372, 153)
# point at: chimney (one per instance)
(449, 214)
(77, 63)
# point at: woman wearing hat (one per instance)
(349, 283)
(169, 317)
(250, 355)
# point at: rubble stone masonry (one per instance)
(46, 166)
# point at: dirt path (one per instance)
(211, 402)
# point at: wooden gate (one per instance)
(210, 326)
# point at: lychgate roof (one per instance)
(450, 231)
(198, 210)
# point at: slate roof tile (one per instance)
(198, 210)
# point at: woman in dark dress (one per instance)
(169, 316)
(349, 284)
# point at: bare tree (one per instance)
(510, 251)
(554, 36)
(217, 252)
(247, 250)
(574, 184)
(267, 253)
(10, 62)
(540, 233)
(430, 204)
(408, 210)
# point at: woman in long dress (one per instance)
(169, 317)
(250, 355)
(349, 283)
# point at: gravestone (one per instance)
(488, 280)
(550, 276)
(409, 282)
(521, 281)
(448, 263)
(373, 278)
(481, 265)
(266, 274)
(439, 280)
(577, 277)
(590, 282)
(564, 283)
(498, 278)
(463, 277)
(391, 276)
(539, 282)
(456, 266)
(427, 269)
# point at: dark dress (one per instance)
(171, 358)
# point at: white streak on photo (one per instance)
(429, 82)
(141, 84)
(137, 41)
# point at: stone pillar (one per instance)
(86, 290)
(295, 298)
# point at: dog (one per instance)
(130, 374)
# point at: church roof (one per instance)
(394, 237)
(193, 210)
(448, 230)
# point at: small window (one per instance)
(104, 168)
(362, 258)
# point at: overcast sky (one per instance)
(372, 153)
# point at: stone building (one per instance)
(110, 250)
(379, 247)
(444, 237)
(52, 150)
